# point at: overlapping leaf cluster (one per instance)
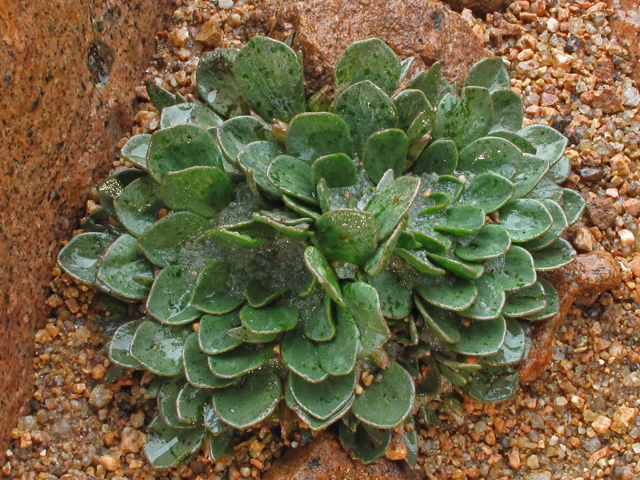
(339, 260)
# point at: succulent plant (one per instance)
(332, 259)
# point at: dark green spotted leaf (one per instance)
(410, 103)
(419, 260)
(392, 203)
(556, 255)
(211, 293)
(525, 219)
(161, 241)
(386, 403)
(213, 423)
(325, 398)
(491, 154)
(364, 304)
(489, 73)
(549, 143)
(256, 157)
(167, 447)
(245, 335)
(513, 348)
(573, 205)
(531, 171)
(240, 360)
(216, 83)
(448, 291)
(293, 177)
(338, 355)
(270, 77)
(525, 301)
(250, 401)
(109, 188)
(420, 129)
(507, 107)
(259, 295)
(491, 241)
(381, 258)
(320, 326)
(367, 444)
(212, 334)
(319, 267)
(460, 220)
(153, 388)
(79, 258)
(314, 423)
(169, 298)
(457, 364)
(160, 97)
(313, 135)
(300, 207)
(120, 263)
(181, 146)
(272, 319)
(120, 344)
(347, 235)
(431, 84)
(552, 299)
(487, 191)
(238, 132)
(371, 60)
(560, 171)
(439, 157)
(196, 366)
(189, 113)
(490, 387)
(219, 445)
(201, 190)
(559, 226)
(301, 356)
(298, 230)
(514, 270)
(481, 338)
(136, 149)
(138, 205)
(395, 297)
(190, 403)
(516, 139)
(385, 150)
(465, 119)
(366, 109)
(547, 189)
(159, 347)
(337, 170)
(489, 302)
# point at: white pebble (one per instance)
(226, 4)
(552, 25)
(626, 237)
(630, 97)
(612, 192)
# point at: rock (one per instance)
(100, 396)
(323, 458)
(607, 100)
(630, 97)
(591, 174)
(624, 26)
(601, 424)
(582, 281)
(603, 70)
(179, 37)
(110, 463)
(622, 419)
(632, 206)
(479, 7)
(634, 264)
(514, 458)
(582, 239)
(132, 440)
(601, 212)
(429, 32)
(210, 33)
(626, 237)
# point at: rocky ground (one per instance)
(579, 420)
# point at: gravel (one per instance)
(578, 421)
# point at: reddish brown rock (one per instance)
(324, 28)
(67, 72)
(479, 7)
(625, 24)
(582, 281)
(601, 212)
(323, 458)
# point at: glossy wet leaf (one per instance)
(240, 360)
(320, 326)
(552, 299)
(336, 169)
(387, 402)
(270, 77)
(559, 226)
(259, 295)
(549, 143)
(325, 398)
(314, 423)
(531, 171)
(271, 319)
(490, 241)
(347, 235)
(250, 401)
(364, 304)
(338, 355)
(120, 345)
(136, 149)
(392, 203)
(221, 445)
(420, 129)
(189, 113)
(169, 298)
(366, 109)
(439, 157)
(573, 205)
(466, 119)
(525, 301)
(395, 297)
(300, 207)
(319, 267)
(367, 444)
(560, 171)
(490, 388)
(460, 220)
(212, 334)
(201, 190)
(513, 348)
(385, 250)
(481, 338)
(247, 336)
(79, 258)
(489, 73)
(384, 150)
(507, 108)
(153, 387)
(196, 366)
(190, 403)
(298, 230)
(301, 356)
(167, 447)
(371, 60)
(514, 270)
(212, 422)
(491, 154)
(109, 188)
(419, 260)
(138, 205)
(410, 103)
(457, 364)
(211, 293)
(547, 189)
(457, 266)
(487, 191)
(525, 219)
(313, 135)
(448, 291)
(257, 157)
(181, 146)
(523, 144)
(293, 177)
(120, 263)
(489, 302)
(160, 97)
(556, 255)
(159, 347)
(238, 132)
(216, 83)
(161, 242)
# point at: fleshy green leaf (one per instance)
(364, 304)
(138, 205)
(120, 263)
(491, 154)
(313, 135)
(410, 103)
(213, 423)
(240, 360)
(491, 241)
(507, 107)
(516, 139)
(319, 267)
(336, 169)
(547, 189)
(347, 235)
(439, 157)
(395, 297)
(160, 97)
(492, 388)
(487, 191)
(159, 347)
(391, 204)
(385, 250)
(573, 205)
(338, 355)
(293, 177)
(136, 149)
(79, 258)
(525, 219)
(212, 334)
(272, 319)
(314, 423)
(489, 302)
(481, 338)
(460, 220)
(169, 298)
(560, 171)
(189, 113)
(457, 266)
(270, 77)
(247, 336)
(325, 398)
(216, 83)
(514, 270)
(259, 295)
(212, 294)
(556, 255)
(238, 132)
(513, 348)
(560, 224)
(448, 291)
(167, 447)
(525, 301)
(552, 299)
(196, 366)
(121, 343)
(489, 73)
(419, 260)
(385, 150)
(320, 327)
(367, 444)
(301, 356)
(190, 403)
(549, 143)
(531, 171)
(109, 188)
(256, 157)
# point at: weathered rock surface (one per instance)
(67, 72)
(479, 7)
(430, 32)
(323, 458)
(582, 281)
(626, 27)
(601, 212)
